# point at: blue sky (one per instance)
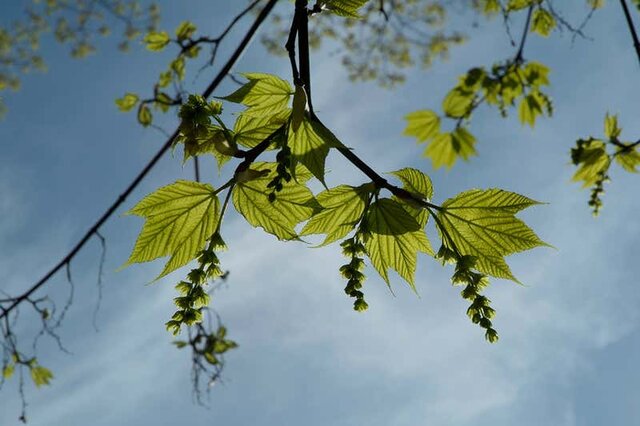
(569, 338)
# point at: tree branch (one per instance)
(136, 181)
(632, 29)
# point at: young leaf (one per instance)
(127, 102)
(446, 148)
(416, 182)
(457, 103)
(394, 239)
(342, 209)
(591, 156)
(542, 22)
(530, 108)
(345, 8)
(482, 223)
(629, 159)
(424, 125)
(264, 94)
(294, 204)
(250, 130)
(185, 30)
(8, 371)
(41, 376)
(611, 128)
(144, 115)
(298, 108)
(419, 185)
(179, 219)
(310, 145)
(156, 41)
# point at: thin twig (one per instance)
(632, 29)
(134, 184)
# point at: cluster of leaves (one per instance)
(39, 375)
(274, 196)
(157, 41)
(379, 40)
(594, 157)
(515, 82)
(72, 22)
(504, 86)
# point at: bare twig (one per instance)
(632, 29)
(65, 261)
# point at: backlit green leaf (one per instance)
(419, 185)
(298, 108)
(264, 94)
(185, 30)
(413, 180)
(310, 145)
(629, 159)
(41, 376)
(346, 8)
(127, 102)
(144, 115)
(611, 128)
(251, 130)
(592, 158)
(179, 219)
(458, 103)
(294, 203)
(342, 209)
(482, 223)
(529, 109)
(424, 125)
(8, 371)
(446, 148)
(542, 22)
(156, 41)
(394, 239)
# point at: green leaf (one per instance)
(629, 159)
(185, 30)
(178, 67)
(592, 158)
(482, 223)
(165, 79)
(264, 94)
(179, 219)
(345, 8)
(8, 371)
(424, 125)
(298, 108)
(611, 128)
(529, 109)
(294, 203)
(458, 103)
(394, 239)
(156, 41)
(416, 182)
(514, 5)
(41, 376)
(446, 148)
(144, 115)
(419, 185)
(251, 130)
(127, 102)
(310, 145)
(342, 209)
(542, 22)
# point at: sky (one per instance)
(570, 336)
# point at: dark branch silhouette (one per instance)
(94, 229)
